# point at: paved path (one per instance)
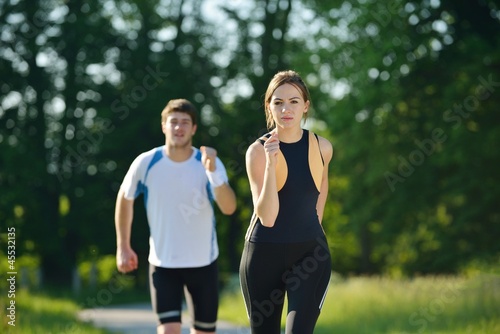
(140, 319)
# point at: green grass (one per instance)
(42, 313)
(358, 305)
(371, 305)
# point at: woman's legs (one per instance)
(263, 288)
(307, 283)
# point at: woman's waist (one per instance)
(288, 231)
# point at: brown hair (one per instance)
(279, 79)
(179, 105)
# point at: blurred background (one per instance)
(408, 92)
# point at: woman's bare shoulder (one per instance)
(326, 147)
(255, 150)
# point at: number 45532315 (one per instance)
(11, 247)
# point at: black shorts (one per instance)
(200, 287)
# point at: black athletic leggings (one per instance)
(268, 270)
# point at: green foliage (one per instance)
(412, 129)
(100, 272)
(406, 91)
(432, 304)
(40, 313)
(25, 268)
(437, 304)
(480, 266)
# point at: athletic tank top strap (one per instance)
(262, 139)
(319, 148)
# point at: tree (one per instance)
(402, 67)
(406, 91)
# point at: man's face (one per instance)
(178, 129)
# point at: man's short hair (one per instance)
(179, 105)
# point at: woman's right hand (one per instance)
(272, 147)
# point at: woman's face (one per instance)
(287, 106)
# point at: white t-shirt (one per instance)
(179, 206)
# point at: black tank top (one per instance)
(297, 219)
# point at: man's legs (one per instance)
(166, 298)
(202, 297)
